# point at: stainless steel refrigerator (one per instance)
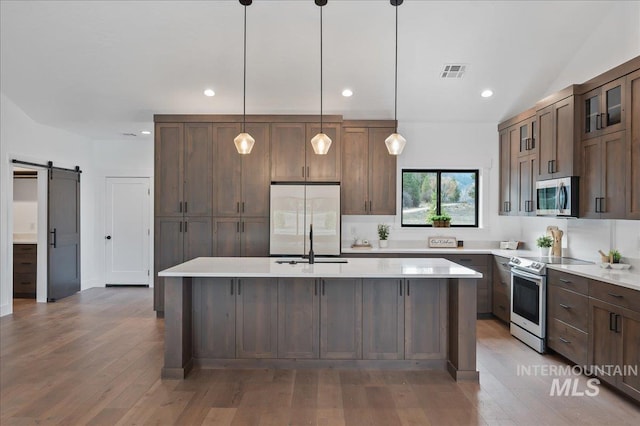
(294, 208)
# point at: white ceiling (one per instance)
(101, 68)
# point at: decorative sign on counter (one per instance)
(443, 242)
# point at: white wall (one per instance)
(25, 206)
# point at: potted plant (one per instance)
(544, 242)
(615, 256)
(440, 220)
(383, 235)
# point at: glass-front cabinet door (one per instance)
(527, 137)
(602, 109)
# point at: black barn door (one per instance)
(64, 234)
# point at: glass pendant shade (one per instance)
(321, 144)
(395, 143)
(244, 143)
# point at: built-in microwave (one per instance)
(557, 197)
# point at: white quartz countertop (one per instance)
(426, 250)
(239, 267)
(624, 278)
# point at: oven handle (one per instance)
(537, 278)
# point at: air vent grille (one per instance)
(453, 71)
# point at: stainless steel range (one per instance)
(529, 296)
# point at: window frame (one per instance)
(439, 173)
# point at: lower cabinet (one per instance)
(25, 268)
(298, 318)
(214, 310)
(341, 318)
(257, 318)
(382, 318)
(425, 313)
(501, 286)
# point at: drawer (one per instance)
(25, 248)
(24, 283)
(568, 281)
(569, 307)
(615, 294)
(469, 259)
(568, 341)
(501, 307)
(24, 266)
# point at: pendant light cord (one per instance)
(395, 102)
(244, 82)
(321, 69)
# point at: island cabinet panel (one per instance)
(169, 253)
(341, 319)
(426, 325)
(257, 318)
(298, 318)
(382, 318)
(214, 318)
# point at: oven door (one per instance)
(528, 295)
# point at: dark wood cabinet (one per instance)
(603, 109)
(293, 159)
(425, 319)
(505, 172)
(241, 236)
(198, 240)
(341, 319)
(214, 317)
(298, 318)
(633, 136)
(25, 270)
(526, 184)
(526, 133)
(605, 341)
(555, 139)
(382, 319)
(603, 180)
(169, 167)
(501, 286)
(369, 171)
(242, 181)
(198, 170)
(257, 318)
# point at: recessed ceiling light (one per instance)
(347, 93)
(209, 92)
(145, 132)
(487, 93)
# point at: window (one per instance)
(429, 192)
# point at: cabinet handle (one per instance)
(564, 340)
(302, 171)
(237, 226)
(365, 206)
(323, 287)
(549, 166)
(370, 206)
(465, 260)
(562, 280)
(25, 263)
(598, 126)
(307, 171)
(618, 296)
(237, 207)
(186, 205)
(242, 226)
(505, 264)
(400, 286)
(611, 319)
(231, 281)
(597, 208)
(616, 324)
(55, 237)
(502, 307)
(239, 287)
(562, 305)
(180, 207)
(509, 206)
(408, 288)
(553, 166)
(603, 121)
(185, 226)
(25, 283)
(602, 209)
(243, 207)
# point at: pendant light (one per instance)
(244, 141)
(321, 142)
(396, 142)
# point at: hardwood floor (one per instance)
(95, 358)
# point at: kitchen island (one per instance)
(379, 313)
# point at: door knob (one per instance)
(108, 237)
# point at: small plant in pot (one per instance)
(615, 256)
(440, 220)
(383, 235)
(544, 242)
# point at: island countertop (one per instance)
(240, 267)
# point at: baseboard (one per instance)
(6, 309)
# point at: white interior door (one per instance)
(127, 231)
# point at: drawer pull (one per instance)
(25, 283)
(562, 305)
(505, 264)
(618, 296)
(562, 280)
(565, 340)
(26, 263)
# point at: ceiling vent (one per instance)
(453, 71)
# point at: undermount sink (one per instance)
(296, 261)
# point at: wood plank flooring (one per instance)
(95, 358)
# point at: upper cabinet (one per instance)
(369, 171)
(633, 141)
(169, 166)
(603, 109)
(555, 139)
(293, 159)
